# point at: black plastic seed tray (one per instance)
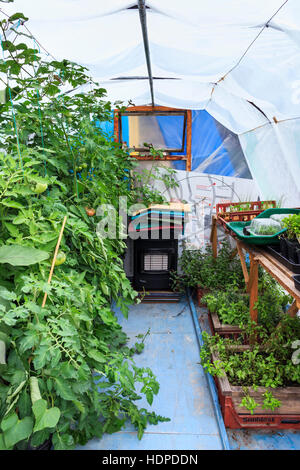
(275, 251)
(297, 281)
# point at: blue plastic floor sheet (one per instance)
(172, 352)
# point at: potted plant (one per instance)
(201, 271)
(292, 224)
(229, 308)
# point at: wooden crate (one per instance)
(226, 331)
(237, 417)
(225, 215)
(201, 291)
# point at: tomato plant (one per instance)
(66, 370)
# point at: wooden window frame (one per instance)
(152, 110)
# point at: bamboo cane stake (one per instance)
(54, 257)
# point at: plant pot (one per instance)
(293, 246)
(283, 247)
(201, 291)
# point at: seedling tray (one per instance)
(297, 281)
(275, 251)
(252, 209)
(238, 228)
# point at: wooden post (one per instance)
(293, 309)
(233, 253)
(253, 288)
(116, 125)
(214, 236)
(243, 263)
(189, 141)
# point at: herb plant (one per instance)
(267, 363)
(292, 225)
(200, 268)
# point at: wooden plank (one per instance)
(285, 280)
(276, 262)
(273, 266)
(153, 109)
(219, 327)
(165, 157)
(243, 262)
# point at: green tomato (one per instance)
(40, 188)
(82, 150)
(35, 393)
(60, 259)
(84, 165)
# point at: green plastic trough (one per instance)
(238, 227)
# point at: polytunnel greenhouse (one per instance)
(150, 227)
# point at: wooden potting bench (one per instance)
(257, 257)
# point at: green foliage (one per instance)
(270, 403)
(200, 268)
(292, 224)
(266, 363)
(67, 372)
(248, 401)
(232, 303)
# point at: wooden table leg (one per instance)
(214, 237)
(293, 309)
(243, 263)
(253, 288)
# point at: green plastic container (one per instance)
(238, 228)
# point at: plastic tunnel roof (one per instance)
(237, 59)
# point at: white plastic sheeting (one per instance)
(221, 55)
(224, 53)
(273, 156)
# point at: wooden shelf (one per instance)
(259, 257)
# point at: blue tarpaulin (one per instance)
(215, 149)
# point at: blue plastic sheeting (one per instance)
(208, 137)
(108, 127)
(263, 440)
(215, 149)
(172, 352)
